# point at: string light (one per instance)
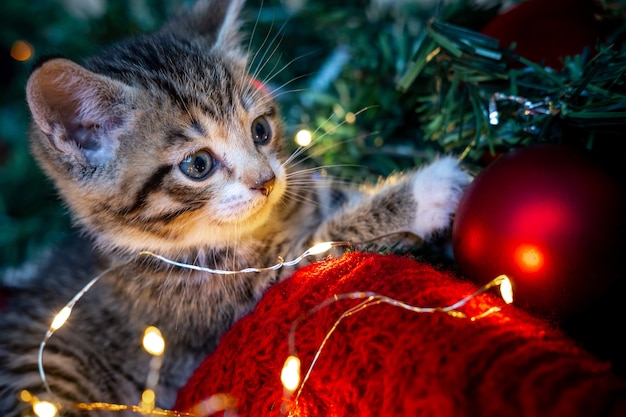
(291, 372)
(153, 340)
(312, 251)
(133, 408)
(545, 107)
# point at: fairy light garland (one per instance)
(313, 250)
(290, 377)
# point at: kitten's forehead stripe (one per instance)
(176, 133)
(195, 124)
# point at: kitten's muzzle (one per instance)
(266, 186)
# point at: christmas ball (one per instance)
(549, 217)
(540, 30)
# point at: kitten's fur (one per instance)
(112, 133)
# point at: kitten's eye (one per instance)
(261, 131)
(197, 166)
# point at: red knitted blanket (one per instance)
(387, 361)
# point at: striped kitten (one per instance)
(163, 143)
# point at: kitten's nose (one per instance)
(266, 186)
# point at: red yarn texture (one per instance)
(386, 361)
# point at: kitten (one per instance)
(164, 143)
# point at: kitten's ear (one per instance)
(218, 21)
(76, 109)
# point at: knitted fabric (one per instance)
(386, 361)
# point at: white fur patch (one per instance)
(437, 189)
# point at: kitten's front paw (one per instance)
(437, 189)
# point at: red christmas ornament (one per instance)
(542, 30)
(548, 217)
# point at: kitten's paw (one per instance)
(437, 189)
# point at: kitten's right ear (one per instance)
(76, 109)
(218, 21)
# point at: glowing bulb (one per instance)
(304, 137)
(45, 409)
(26, 396)
(60, 318)
(22, 51)
(290, 375)
(506, 289)
(214, 404)
(148, 396)
(147, 400)
(320, 248)
(153, 341)
(494, 118)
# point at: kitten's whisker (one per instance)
(261, 47)
(319, 151)
(273, 75)
(233, 256)
(256, 23)
(278, 93)
(273, 45)
(302, 149)
(308, 201)
(279, 90)
(299, 197)
(310, 180)
(320, 168)
(343, 122)
(293, 163)
(322, 183)
(294, 195)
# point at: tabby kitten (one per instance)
(163, 143)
